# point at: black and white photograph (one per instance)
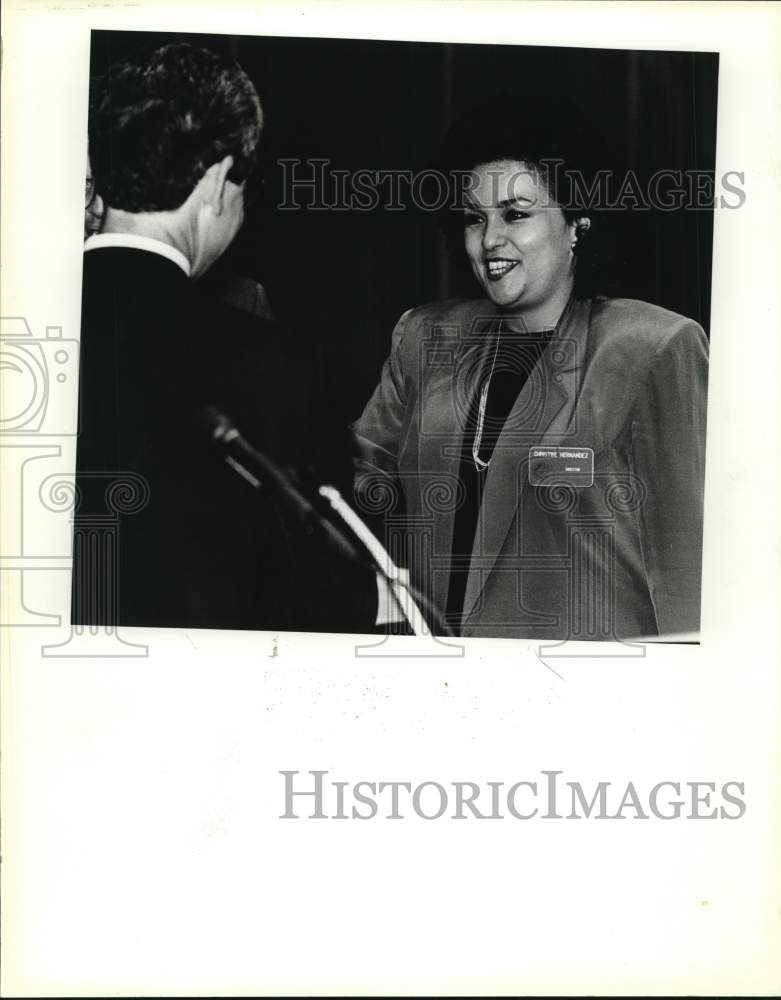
(389, 559)
(461, 290)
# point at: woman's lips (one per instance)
(497, 269)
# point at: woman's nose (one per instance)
(493, 234)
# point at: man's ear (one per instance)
(215, 180)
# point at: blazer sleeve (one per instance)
(377, 434)
(378, 429)
(668, 456)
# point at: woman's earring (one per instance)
(581, 226)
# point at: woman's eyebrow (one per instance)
(516, 201)
(505, 203)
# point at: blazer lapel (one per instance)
(441, 438)
(542, 414)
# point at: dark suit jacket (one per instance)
(185, 541)
(619, 558)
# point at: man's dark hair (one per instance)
(157, 125)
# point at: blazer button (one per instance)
(558, 378)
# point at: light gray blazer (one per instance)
(556, 555)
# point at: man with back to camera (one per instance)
(173, 139)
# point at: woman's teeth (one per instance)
(498, 268)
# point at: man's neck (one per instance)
(166, 227)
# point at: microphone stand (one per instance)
(256, 469)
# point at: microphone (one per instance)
(260, 471)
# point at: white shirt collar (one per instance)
(99, 240)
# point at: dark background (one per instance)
(339, 280)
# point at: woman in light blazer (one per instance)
(536, 455)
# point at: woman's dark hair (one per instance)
(550, 137)
(156, 126)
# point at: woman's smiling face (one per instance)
(518, 242)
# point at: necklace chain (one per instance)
(481, 465)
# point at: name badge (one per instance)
(570, 466)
